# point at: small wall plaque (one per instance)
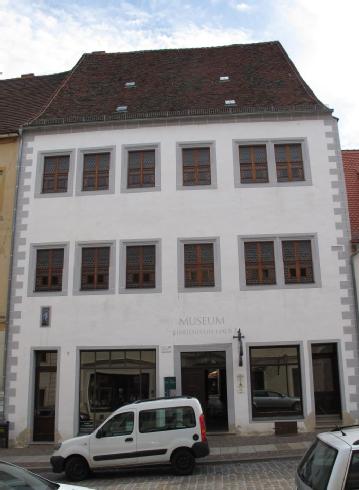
(45, 316)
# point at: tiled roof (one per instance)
(21, 99)
(181, 82)
(351, 171)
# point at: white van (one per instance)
(161, 431)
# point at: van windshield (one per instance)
(316, 467)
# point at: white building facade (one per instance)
(268, 257)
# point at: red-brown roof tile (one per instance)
(261, 77)
(21, 99)
(351, 171)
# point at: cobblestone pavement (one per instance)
(264, 475)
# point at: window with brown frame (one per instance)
(260, 265)
(289, 162)
(95, 267)
(196, 164)
(96, 171)
(297, 260)
(141, 170)
(140, 266)
(55, 174)
(199, 265)
(49, 267)
(253, 164)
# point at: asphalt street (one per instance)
(266, 475)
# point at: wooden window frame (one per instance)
(95, 270)
(56, 175)
(279, 263)
(197, 168)
(200, 268)
(51, 271)
(260, 266)
(96, 173)
(254, 165)
(289, 165)
(297, 264)
(142, 172)
(141, 269)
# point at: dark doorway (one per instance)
(204, 377)
(326, 379)
(45, 396)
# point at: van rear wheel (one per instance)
(76, 468)
(183, 462)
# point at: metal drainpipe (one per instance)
(355, 289)
(14, 217)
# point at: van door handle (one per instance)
(129, 439)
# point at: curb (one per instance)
(228, 459)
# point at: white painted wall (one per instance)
(121, 320)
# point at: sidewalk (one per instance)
(224, 448)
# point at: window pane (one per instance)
(55, 174)
(119, 425)
(141, 169)
(316, 467)
(104, 389)
(297, 260)
(253, 164)
(353, 474)
(289, 162)
(199, 265)
(276, 381)
(96, 171)
(141, 266)
(49, 268)
(95, 268)
(259, 260)
(174, 418)
(196, 165)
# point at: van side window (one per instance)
(167, 419)
(353, 473)
(120, 425)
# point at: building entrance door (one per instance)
(204, 377)
(45, 396)
(326, 379)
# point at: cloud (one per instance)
(44, 36)
(42, 40)
(243, 7)
(322, 39)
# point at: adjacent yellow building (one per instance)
(21, 99)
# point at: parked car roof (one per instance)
(347, 435)
(160, 402)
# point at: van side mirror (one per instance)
(99, 434)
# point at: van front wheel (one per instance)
(76, 468)
(183, 462)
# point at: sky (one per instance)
(320, 36)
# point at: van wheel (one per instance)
(76, 468)
(183, 462)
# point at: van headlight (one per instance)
(57, 446)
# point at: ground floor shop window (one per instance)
(276, 381)
(110, 379)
